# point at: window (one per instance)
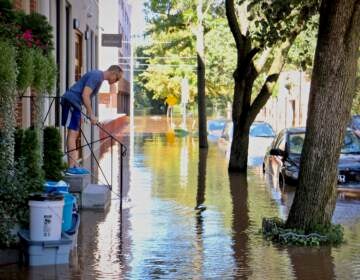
(282, 145)
(296, 142)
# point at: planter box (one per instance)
(37, 253)
(9, 256)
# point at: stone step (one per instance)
(77, 182)
(95, 197)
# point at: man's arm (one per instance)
(87, 103)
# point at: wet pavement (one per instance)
(184, 217)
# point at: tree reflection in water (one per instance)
(240, 224)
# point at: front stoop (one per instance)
(95, 197)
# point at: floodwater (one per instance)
(185, 217)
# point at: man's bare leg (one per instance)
(71, 146)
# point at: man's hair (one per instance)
(115, 68)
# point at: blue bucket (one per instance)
(52, 186)
(69, 201)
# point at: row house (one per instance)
(290, 105)
(76, 40)
(114, 18)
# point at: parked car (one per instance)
(215, 128)
(261, 136)
(283, 157)
(354, 124)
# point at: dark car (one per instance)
(354, 124)
(283, 157)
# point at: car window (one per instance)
(280, 138)
(261, 130)
(282, 144)
(351, 144)
(296, 142)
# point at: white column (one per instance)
(44, 8)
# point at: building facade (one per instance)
(115, 19)
(75, 31)
(289, 107)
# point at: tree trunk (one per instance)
(201, 79)
(331, 94)
(239, 146)
(201, 182)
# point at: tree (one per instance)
(173, 27)
(332, 90)
(263, 38)
(200, 53)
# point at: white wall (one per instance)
(108, 21)
(87, 13)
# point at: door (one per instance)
(78, 55)
(78, 71)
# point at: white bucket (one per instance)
(46, 219)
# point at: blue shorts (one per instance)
(70, 115)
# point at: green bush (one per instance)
(274, 229)
(6, 10)
(7, 102)
(51, 74)
(19, 138)
(53, 163)
(32, 160)
(41, 30)
(24, 177)
(40, 72)
(25, 65)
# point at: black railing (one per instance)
(123, 149)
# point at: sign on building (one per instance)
(111, 40)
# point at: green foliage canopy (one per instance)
(172, 27)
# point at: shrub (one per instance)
(7, 103)
(53, 163)
(25, 65)
(40, 72)
(32, 160)
(274, 229)
(39, 31)
(51, 74)
(19, 138)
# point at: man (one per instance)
(80, 94)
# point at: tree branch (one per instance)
(259, 66)
(274, 72)
(354, 22)
(234, 25)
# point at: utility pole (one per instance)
(201, 77)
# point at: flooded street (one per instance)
(184, 217)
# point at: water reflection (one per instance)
(239, 195)
(204, 227)
(201, 184)
(308, 262)
(200, 207)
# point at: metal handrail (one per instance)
(123, 148)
